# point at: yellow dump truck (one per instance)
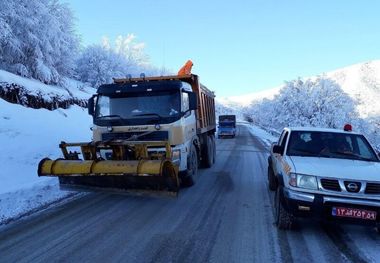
(148, 133)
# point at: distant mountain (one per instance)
(247, 99)
(360, 81)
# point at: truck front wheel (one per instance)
(192, 168)
(271, 179)
(283, 219)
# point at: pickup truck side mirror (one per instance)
(278, 149)
(193, 102)
(91, 105)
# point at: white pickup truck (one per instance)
(324, 173)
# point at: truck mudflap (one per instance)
(129, 168)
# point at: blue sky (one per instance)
(238, 46)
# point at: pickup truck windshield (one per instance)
(330, 145)
(138, 108)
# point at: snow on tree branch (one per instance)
(37, 39)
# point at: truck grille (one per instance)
(331, 184)
(153, 136)
(372, 188)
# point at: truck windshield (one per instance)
(330, 145)
(138, 108)
(227, 124)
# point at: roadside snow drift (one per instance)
(28, 135)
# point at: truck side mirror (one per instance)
(278, 149)
(193, 102)
(91, 105)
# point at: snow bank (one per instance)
(264, 135)
(36, 197)
(69, 89)
(28, 135)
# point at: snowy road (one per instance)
(226, 217)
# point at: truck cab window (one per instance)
(138, 108)
(103, 106)
(185, 102)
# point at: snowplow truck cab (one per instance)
(148, 133)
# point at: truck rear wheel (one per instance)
(208, 153)
(283, 219)
(192, 168)
(213, 148)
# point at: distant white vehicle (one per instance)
(324, 173)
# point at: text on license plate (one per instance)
(353, 213)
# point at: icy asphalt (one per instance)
(225, 217)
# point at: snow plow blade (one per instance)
(129, 168)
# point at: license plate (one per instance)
(353, 213)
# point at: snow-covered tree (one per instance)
(129, 48)
(319, 103)
(97, 65)
(37, 39)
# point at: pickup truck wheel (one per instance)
(192, 168)
(271, 179)
(283, 219)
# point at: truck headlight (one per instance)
(303, 181)
(176, 155)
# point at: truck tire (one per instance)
(208, 153)
(283, 219)
(192, 168)
(213, 148)
(271, 179)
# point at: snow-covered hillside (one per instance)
(70, 89)
(28, 135)
(360, 81)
